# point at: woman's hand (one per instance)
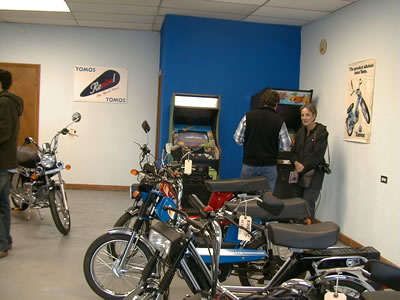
(298, 166)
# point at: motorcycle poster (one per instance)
(359, 98)
(100, 84)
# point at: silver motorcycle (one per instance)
(37, 182)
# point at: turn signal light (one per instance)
(68, 167)
(135, 194)
(134, 172)
(34, 176)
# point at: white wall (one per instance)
(366, 210)
(104, 152)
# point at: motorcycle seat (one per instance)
(384, 273)
(27, 157)
(238, 185)
(314, 236)
(289, 209)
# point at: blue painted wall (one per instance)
(228, 58)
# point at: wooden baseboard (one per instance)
(354, 244)
(97, 187)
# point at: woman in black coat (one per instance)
(307, 154)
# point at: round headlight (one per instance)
(48, 161)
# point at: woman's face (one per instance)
(307, 117)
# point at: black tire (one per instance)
(128, 219)
(349, 126)
(351, 289)
(102, 254)
(258, 273)
(365, 111)
(17, 187)
(59, 212)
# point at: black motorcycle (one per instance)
(175, 249)
(37, 182)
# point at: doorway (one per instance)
(26, 84)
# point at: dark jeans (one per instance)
(308, 194)
(268, 171)
(5, 215)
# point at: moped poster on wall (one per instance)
(100, 84)
(360, 93)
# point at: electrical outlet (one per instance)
(384, 179)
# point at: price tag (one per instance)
(333, 296)
(188, 167)
(244, 221)
(168, 148)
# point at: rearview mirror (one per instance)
(76, 117)
(146, 126)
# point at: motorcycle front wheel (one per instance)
(17, 192)
(365, 111)
(101, 265)
(59, 212)
(129, 218)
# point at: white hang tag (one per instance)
(188, 167)
(168, 147)
(333, 296)
(244, 221)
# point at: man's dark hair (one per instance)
(270, 98)
(5, 79)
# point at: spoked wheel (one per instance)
(59, 212)
(258, 273)
(349, 126)
(365, 111)
(128, 219)
(17, 192)
(101, 265)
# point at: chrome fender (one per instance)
(129, 232)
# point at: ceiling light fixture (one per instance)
(36, 5)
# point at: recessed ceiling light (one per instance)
(36, 5)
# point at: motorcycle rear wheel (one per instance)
(351, 289)
(17, 187)
(100, 261)
(258, 273)
(59, 212)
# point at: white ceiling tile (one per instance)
(209, 6)
(319, 5)
(114, 18)
(193, 13)
(280, 21)
(252, 2)
(111, 8)
(14, 14)
(116, 25)
(288, 13)
(117, 2)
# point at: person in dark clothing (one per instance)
(308, 153)
(11, 108)
(263, 134)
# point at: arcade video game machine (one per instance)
(194, 128)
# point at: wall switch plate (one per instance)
(384, 179)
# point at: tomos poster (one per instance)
(100, 84)
(360, 93)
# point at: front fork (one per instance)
(61, 183)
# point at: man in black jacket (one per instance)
(11, 108)
(263, 134)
